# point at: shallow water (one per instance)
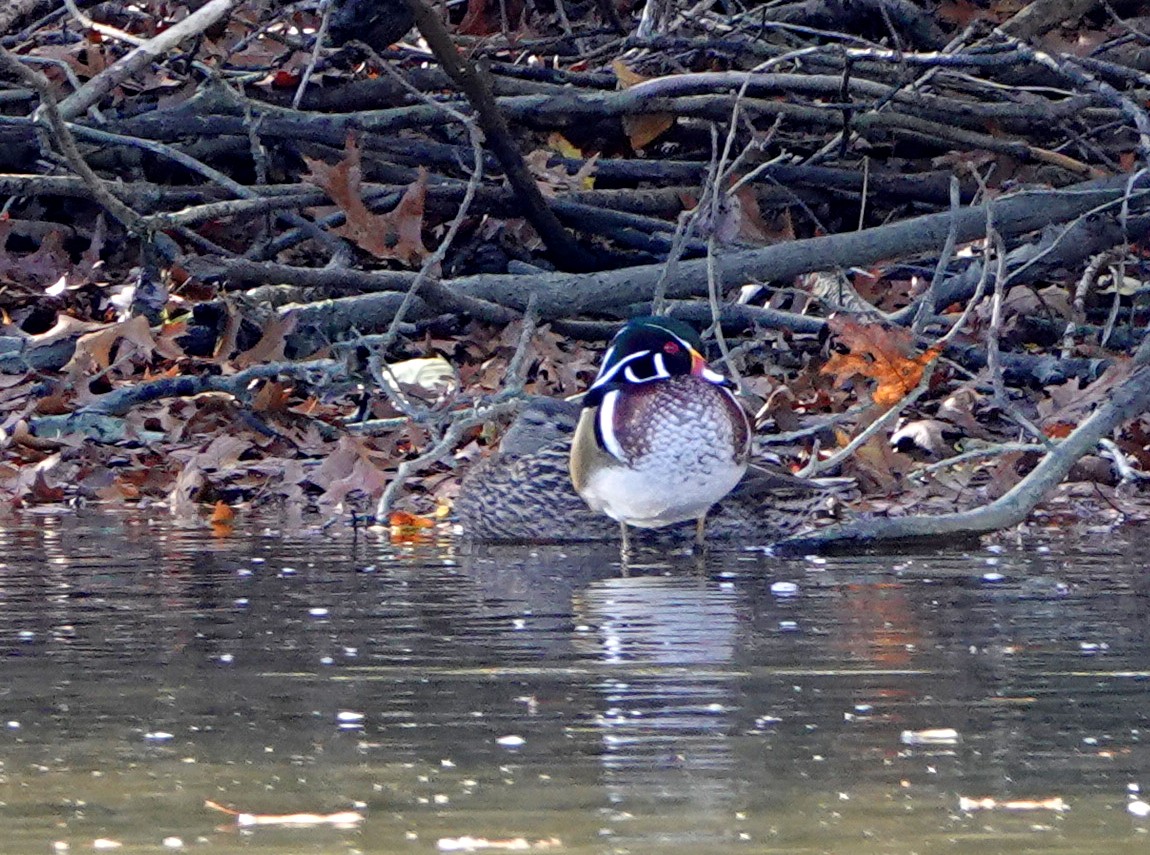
(742, 703)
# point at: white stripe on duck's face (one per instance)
(650, 367)
(714, 377)
(650, 361)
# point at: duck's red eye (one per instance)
(671, 348)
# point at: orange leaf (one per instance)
(883, 354)
(221, 513)
(409, 528)
(403, 519)
(643, 129)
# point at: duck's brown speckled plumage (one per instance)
(523, 493)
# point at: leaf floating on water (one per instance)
(1055, 804)
(406, 527)
(223, 514)
(930, 736)
(343, 819)
(474, 844)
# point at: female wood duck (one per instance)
(661, 438)
(524, 493)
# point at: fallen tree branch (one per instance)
(564, 250)
(567, 295)
(54, 121)
(141, 57)
(123, 399)
(1127, 399)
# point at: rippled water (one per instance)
(741, 703)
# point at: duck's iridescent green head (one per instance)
(649, 349)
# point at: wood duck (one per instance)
(524, 494)
(661, 437)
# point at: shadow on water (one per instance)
(742, 703)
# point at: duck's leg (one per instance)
(625, 532)
(701, 532)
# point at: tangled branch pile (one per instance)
(254, 257)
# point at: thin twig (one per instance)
(815, 466)
(562, 246)
(928, 302)
(1089, 277)
(483, 411)
(66, 143)
(987, 451)
(309, 69)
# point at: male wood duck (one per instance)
(662, 437)
(524, 494)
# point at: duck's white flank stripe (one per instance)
(607, 426)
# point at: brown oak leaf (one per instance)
(396, 235)
(885, 355)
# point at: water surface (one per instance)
(738, 703)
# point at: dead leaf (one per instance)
(270, 347)
(962, 13)
(396, 235)
(348, 468)
(756, 229)
(65, 327)
(486, 17)
(626, 77)
(555, 180)
(876, 464)
(1071, 404)
(883, 354)
(94, 350)
(272, 397)
(645, 128)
